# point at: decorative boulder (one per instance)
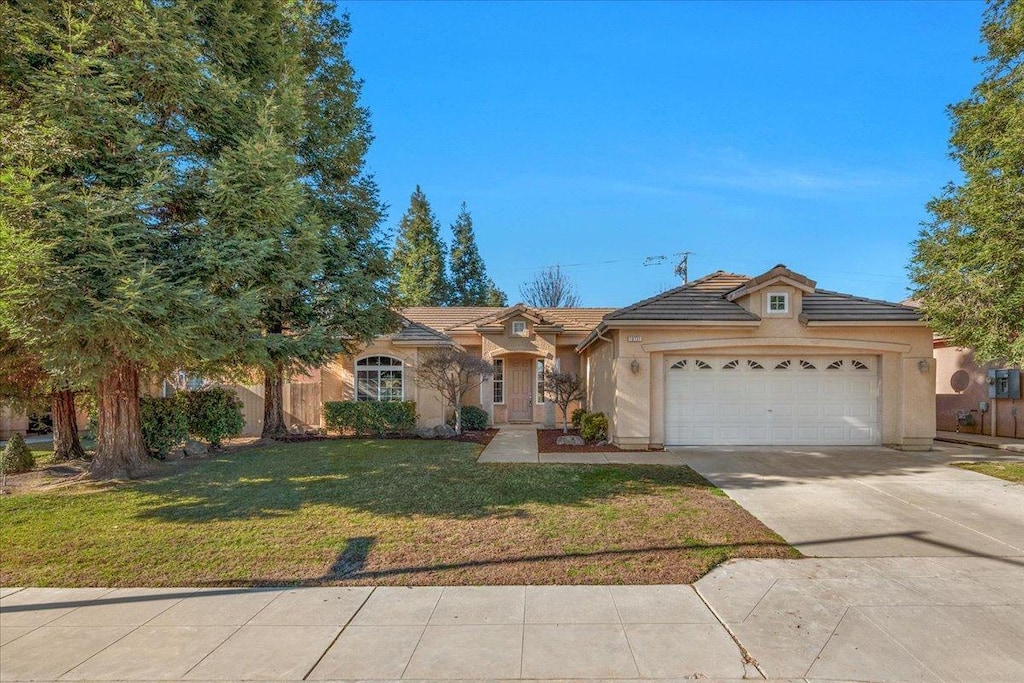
(602, 443)
(570, 440)
(195, 449)
(444, 431)
(426, 433)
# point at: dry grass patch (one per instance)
(1010, 471)
(379, 512)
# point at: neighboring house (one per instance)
(962, 386)
(733, 360)
(12, 421)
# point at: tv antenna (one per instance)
(681, 267)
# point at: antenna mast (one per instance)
(681, 268)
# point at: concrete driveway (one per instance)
(872, 502)
(918, 572)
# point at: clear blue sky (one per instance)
(810, 134)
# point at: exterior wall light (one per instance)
(634, 366)
(922, 365)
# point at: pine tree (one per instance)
(418, 257)
(470, 285)
(968, 265)
(97, 270)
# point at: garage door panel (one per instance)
(795, 402)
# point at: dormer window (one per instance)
(778, 302)
(519, 328)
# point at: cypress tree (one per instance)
(470, 285)
(418, 257)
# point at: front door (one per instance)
(520, 391)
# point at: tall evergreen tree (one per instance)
(419, 263)
(968, 264)
(97, 275)
(470, 285)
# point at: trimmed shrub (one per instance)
(474, 419)
(594, 427)
(213, 414)
(577, 417)
(16, 456)
(371, 417)
(164, 424)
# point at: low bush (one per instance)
(378, 418)
(594, 427)
(474, 419)
(577, 417)
(16, 456)
(213, 414)
(164, 424)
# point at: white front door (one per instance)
(762, 400)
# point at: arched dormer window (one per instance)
(380, 378)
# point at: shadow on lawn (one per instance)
(389, 477)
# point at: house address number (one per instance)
(634, 338)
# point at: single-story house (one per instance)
(723, 360)
(963, 386)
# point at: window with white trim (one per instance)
(778, 302)
(540, 381)
(498, 381)
(380, 378)
(519, 328)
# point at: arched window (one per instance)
(379, 378)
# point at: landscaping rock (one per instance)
(444, 431)
(426, 433)
(570, 440)
(195, 449)
(602, 442)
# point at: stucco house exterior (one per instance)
(734, 360)
(726, 359)
(963, 386)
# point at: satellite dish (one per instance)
(960, 380)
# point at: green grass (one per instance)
(1010, 471)
(378, 512)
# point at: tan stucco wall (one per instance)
(949, 360)
(635, 401)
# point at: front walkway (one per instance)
(518, 444)
(494, 632)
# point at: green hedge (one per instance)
(577, 418)
(164, 424)
(594, 427)
(213, 414)
(473, 419)
(371, 417)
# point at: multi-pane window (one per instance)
(379, 378)
(778, 303)
(540, 381)
(498, 381)
(519, 328)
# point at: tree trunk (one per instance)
(565, 419)
(120, 451)
(66, 445)
(458, 417)
(274, 426)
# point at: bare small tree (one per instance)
(550, 288)
(454, 373)
(564, 388)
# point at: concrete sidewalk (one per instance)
(1003, 443)
(496, 632)
(518, 444)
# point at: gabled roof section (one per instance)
(519, 310)
(449, 319)
(418, 334)
(778, 274)
(826, 306)
(702, 299)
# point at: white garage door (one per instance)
(759, 400)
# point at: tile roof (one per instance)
(702, 299)
(466, 318)
(826, 306)
(413, 332)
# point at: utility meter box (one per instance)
(1004, 383)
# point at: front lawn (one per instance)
(378, 512)
(1010, 471)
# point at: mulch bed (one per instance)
(547, 443)
(483, 438)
